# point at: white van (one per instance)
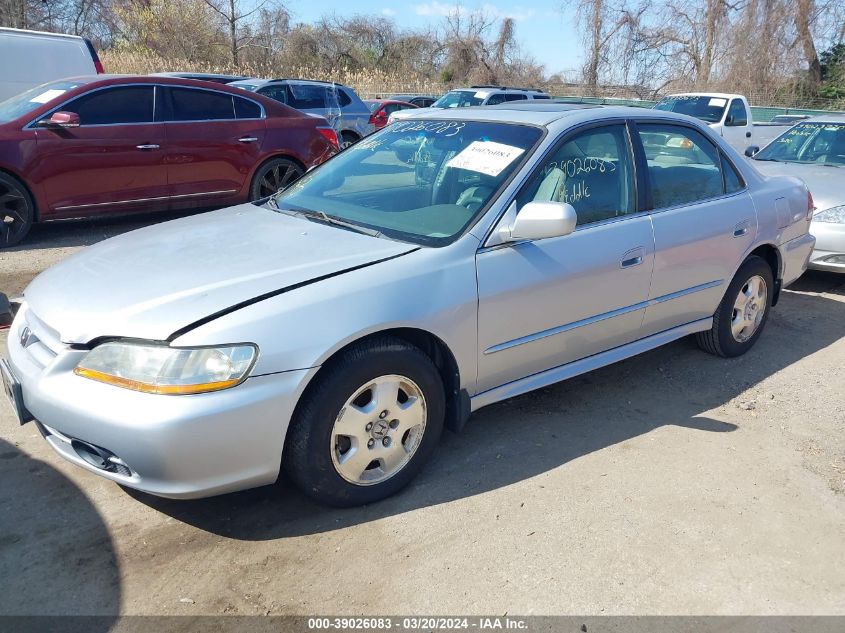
(32, 58)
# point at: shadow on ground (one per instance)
(527, 436)
(56, 554)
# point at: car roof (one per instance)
(543, 114)
(718, 95)
(833, 117)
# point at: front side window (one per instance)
(418, 181)
(515, 97)
(706, 108)
(593, 171)
(683, 166)
(496, 99)
(814, 143)
(122, 104)
(190, 104)
(459, 99)
(736, 114)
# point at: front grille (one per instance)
(40, 341)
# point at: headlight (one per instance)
(834, 214)
(167, 370)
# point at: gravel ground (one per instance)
(671, 483)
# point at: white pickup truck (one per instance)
(727, 114)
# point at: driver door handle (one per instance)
(146, 147)
(247, 139)
(632, 258)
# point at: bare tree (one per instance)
(235, 17)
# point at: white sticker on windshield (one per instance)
(485, 157)
(481, 95)
(719, 103)
(47, 95)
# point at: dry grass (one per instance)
(367, 84)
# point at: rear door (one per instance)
(704, 223)
(112, 161)
(213, 142)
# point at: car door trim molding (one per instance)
(584, 365)
(139, 200)
(530, 338)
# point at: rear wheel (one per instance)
(742, 314)
(17, 211)
(273, 176)
(368, 424)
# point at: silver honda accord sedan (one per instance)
(814, 150)
(443, 264)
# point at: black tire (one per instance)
(17, 211)
(719, 340)
(308, 447)
(273, 176)
(348, 138)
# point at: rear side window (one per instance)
(733, 181)
(307, 96)
(515, 97)
(189, 104)
(736, 114)
(683, 166)
(111, 106)
(246, 109)
(343, 98)
(592, 171)
(274, 92)
(542, 97)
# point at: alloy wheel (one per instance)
(378, 430)
(749, 308)
(15, 213)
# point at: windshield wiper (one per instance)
(322, 216)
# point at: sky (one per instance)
(542, 28)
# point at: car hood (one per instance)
(158, 280)
(825, 183)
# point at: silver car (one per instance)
(335, 330)
(814, 150)
(344, 110)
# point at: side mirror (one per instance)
(60, 119)
(729, 120)
(540, 220)
(751, 150)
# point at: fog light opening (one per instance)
(100, 458)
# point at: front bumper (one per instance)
(829, 253)
(170, 446)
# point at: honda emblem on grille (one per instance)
(26, 334)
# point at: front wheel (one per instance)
(743, 312)
(347, 139)
(17, 211)
(273, 176)
(367, 425)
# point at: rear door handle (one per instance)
(145, 147)
(247, 139)
(632, 258)
(741, 228)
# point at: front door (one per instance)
(549, 302)
(113, 161)
(212, 147)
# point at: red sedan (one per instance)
(105, 145)
(381, 109)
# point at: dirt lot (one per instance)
(672, 483)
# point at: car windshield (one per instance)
(417, 181)
(459, 99)
(706, 108)
(815, 143)
(28, 101)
